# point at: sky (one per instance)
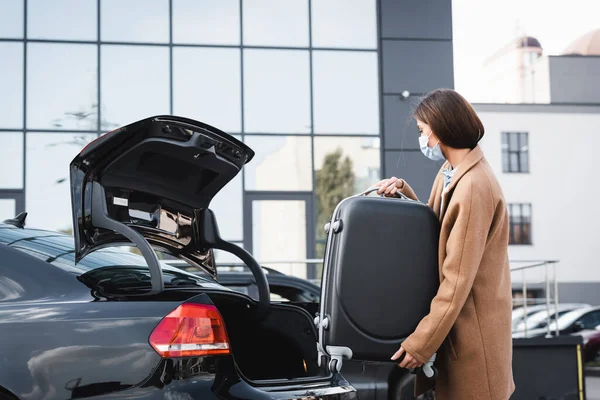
(481, 27)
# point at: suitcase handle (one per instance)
(373, 189)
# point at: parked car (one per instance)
(541, 318)
(591, 344)
(372, 380)
(81, 319)
(519, 314)
(572, 322)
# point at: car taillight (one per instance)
(191, 330)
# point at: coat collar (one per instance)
(469, 162)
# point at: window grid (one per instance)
(520, 223)
(515, 152)
(171, 44)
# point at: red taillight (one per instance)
(191, 330)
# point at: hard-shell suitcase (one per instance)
(387, 247)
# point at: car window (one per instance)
(283, 293)
(590, 320)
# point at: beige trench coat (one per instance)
(469, 323)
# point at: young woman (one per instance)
(469, 323)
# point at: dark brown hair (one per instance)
(451, 118)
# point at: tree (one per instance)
(333, 182)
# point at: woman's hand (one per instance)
(408, 361)
(389, 187)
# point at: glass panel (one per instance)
(525, 161)
(514, 162)
(8, 209)
(138, 88)
(271, 243)
(207, 86)
(206, 21)
(11, 162)
(505, 163)
(514, 141)
(524, 141)
(11, 82)
(281, 163)
(48, 199)
(344, 23)
(276, 91)
(345, 84)
(71, 79)
(11, 19)
(343, 167)
(135, 21)
(276, 23)
(47, 19)
(228, 208)
(505, 140)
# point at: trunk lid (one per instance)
(155, 178)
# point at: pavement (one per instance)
(592, 386)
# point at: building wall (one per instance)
(561, 188)
(415, 56)
(575, 79)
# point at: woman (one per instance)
(469, 322)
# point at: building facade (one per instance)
(296, 80)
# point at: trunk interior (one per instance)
(283, 345)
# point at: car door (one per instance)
(380, 275)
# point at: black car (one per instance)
(80, 318)
(373, 380)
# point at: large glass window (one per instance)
(62, 91)
(276, 23)
(62, 19)
(11, 84)
(343, 166)
(134, 84)
(276, 91)
(345, 91)
(7, 208)
(281, 163)
(48, 200)
(135, 21)
(344, 23)
(206, 22)
(228, 208)
(207, 86)
(11, 18)
(11, 162)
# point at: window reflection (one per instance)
(48, 200)
(276, 23)
(134, 84)
(344, 23)
(11, 19)
(281, 163)
(62, 91)
(228, 208)
(207, 86)
(48, 19)
(135, 21)
(345, 91)
(8, 209)
(206, 22)
(343, 167)
(11, 162)
(276, 91)
(11, 82)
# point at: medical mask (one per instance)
(433, 153)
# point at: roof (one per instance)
(586, 45)
(527, 41)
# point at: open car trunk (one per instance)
(281, 345)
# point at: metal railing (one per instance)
(549, 282)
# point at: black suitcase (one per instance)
(388, 248)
